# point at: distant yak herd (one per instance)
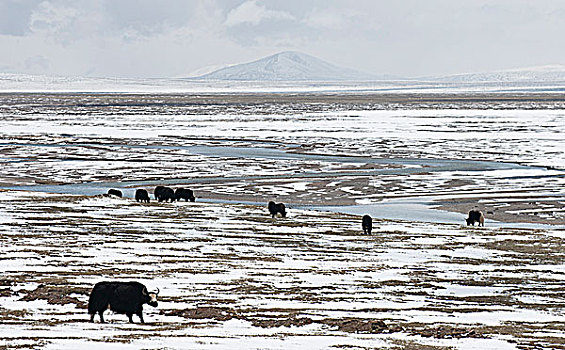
(167, 194)
(162, 194)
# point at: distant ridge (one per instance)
(288, 66)
(548, 73)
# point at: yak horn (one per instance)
(157, 293)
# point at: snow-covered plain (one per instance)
(230, 276)
(259, 282)
(468, 83)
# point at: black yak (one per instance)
(142, 195)
(184, 193)
(475, 216)
(121, 297)
(275, 208)
(367, 224)
(158, 190)
(164, 194)
(114, 192)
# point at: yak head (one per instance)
(151, 297)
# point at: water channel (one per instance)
(411, 209)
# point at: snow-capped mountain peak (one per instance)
(287, 65)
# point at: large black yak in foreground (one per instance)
(367, 224)
(275, 208)
(121, 297)
(475, 216)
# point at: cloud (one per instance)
(173, 37)
(37, 63)
(15, 16)
(251, 13)
(54, 20)
(332, 19)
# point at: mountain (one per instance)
(287, 66)
(538, 74)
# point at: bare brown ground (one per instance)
(178, 100)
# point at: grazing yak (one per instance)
(142, 195)
(476, 216)
(184, 193)
(275, 208)
(367, 224)
(114, 192)
(158, 190)
(121, 297)
(165, 194)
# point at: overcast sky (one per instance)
(171, 38)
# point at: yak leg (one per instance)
(101, 313)
(130, 316)
(140, 314)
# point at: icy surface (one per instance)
(307, 152)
